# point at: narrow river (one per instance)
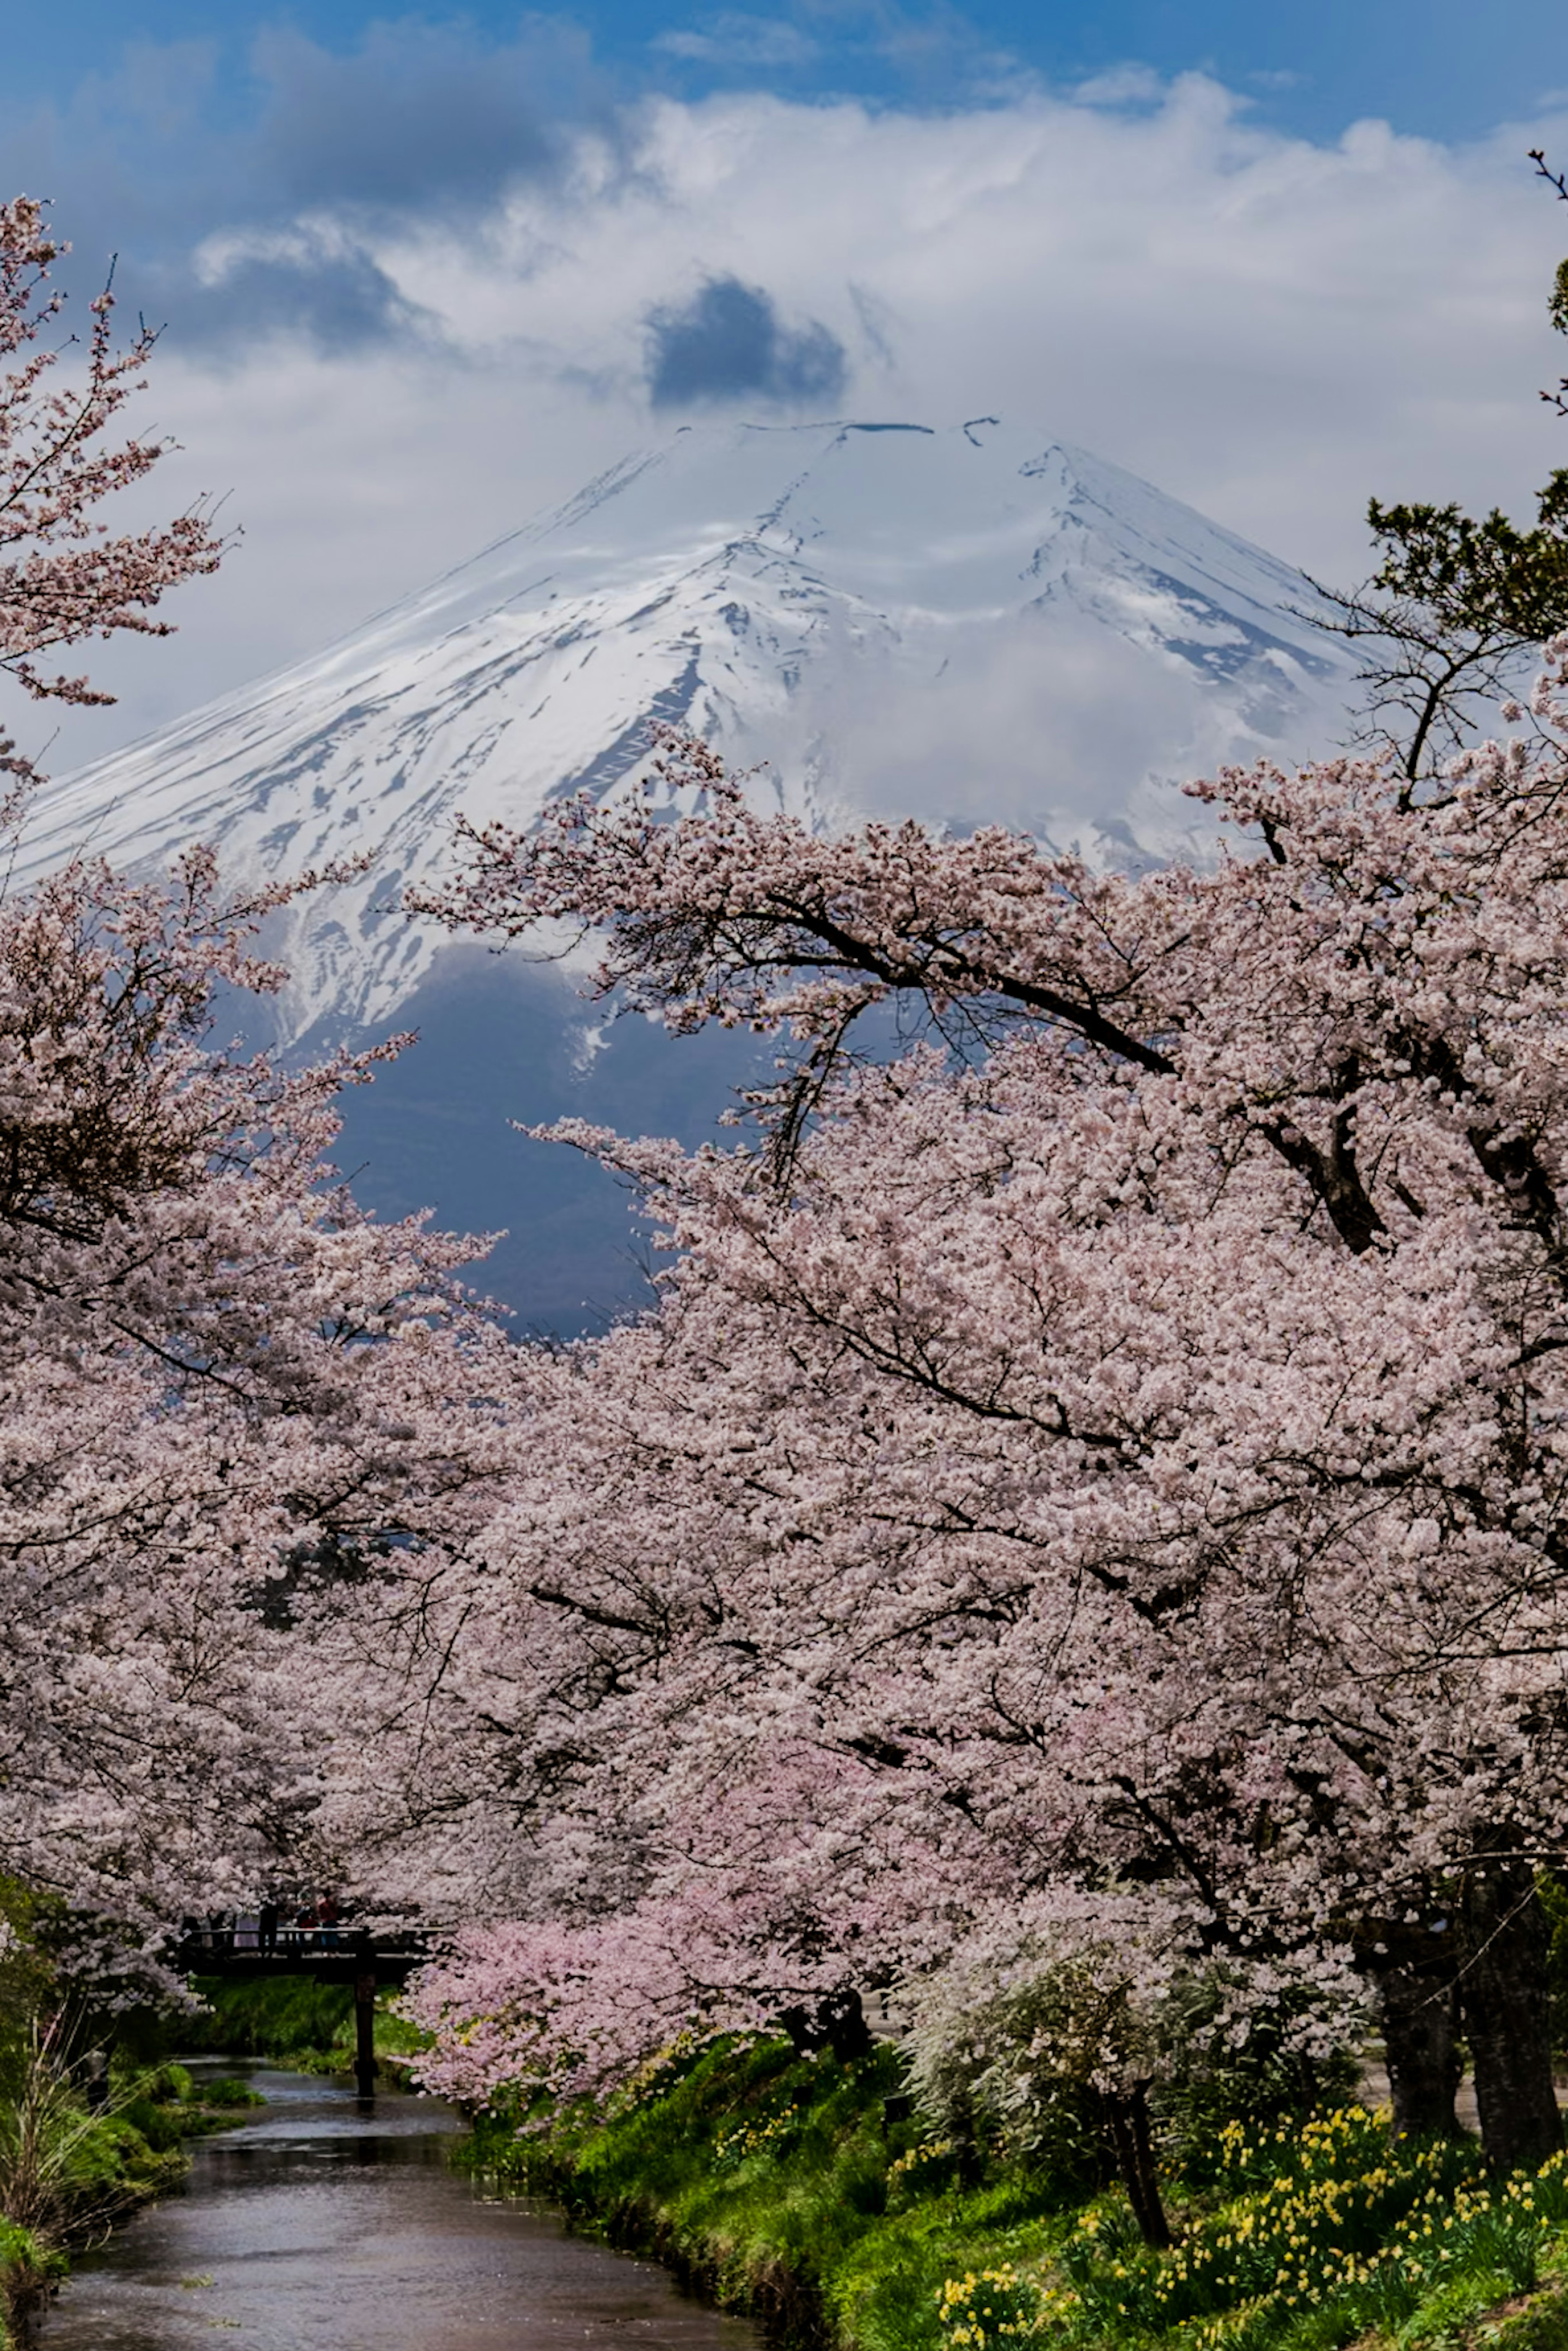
(320, 2226)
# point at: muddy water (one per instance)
(319, 2225)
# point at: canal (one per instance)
(320, 2225)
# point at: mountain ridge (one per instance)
(963, 624)
(743, 581)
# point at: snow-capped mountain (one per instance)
(960, 625)
(965, 624)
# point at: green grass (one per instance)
(285, 2017)
(779, 2187)
(68, 2173)
(165, 2104)
(294, 2021)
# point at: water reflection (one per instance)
(323, 2226)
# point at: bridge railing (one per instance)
(243, 1936)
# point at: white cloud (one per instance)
(301, 245)
(741, 42)
(1269, 329)
(1129, 85)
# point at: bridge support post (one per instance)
(365, 2019)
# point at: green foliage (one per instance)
(931, 2168)
(226, 2091)
(782, 2187)
(26, 1976)
(779, 2185)
(286, 2017)
(153, 2122)
(1487, 576)
(983, 2309)
(68, 2172)
(296, 2022)
(69, 2169)
(1543, 2327)
(1213, 2081)
(168, 2084)
(29, 2270)
(1308, 2216)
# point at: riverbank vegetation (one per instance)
(294, 2022)
(809, 2194)
(75, 2161)
(71, 2170)
(93, 2115)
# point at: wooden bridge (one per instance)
(249, 1949)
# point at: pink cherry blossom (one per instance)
(63, 579)
(1116, 1445)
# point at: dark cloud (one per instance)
(417, 115)
(172, 145)
(729, 343)
(337, 301)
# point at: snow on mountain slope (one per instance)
(963, 624)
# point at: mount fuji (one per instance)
(960, 624)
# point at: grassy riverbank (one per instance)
(72, 2166)
(802, 2192)
(68, 2173)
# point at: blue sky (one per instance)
(425, 271)
(1435, 67)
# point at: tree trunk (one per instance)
(1129, 2120)
(837, 2021)
(843, 2022)
(1417, 2007)
(1507, 2010)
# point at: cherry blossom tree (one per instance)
(63, 578)
(1130, 1425)
(244, 1425)
(741, 1782)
